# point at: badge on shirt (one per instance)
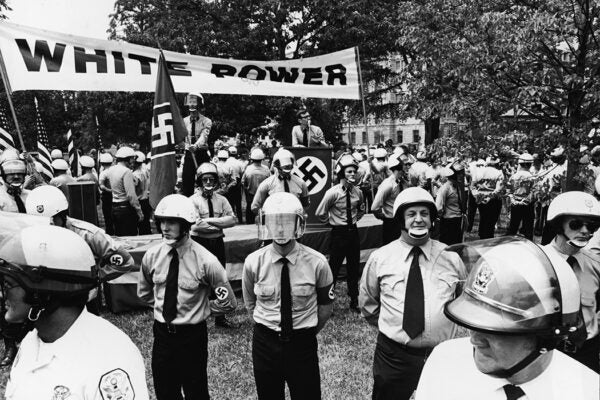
(40, 209)
(116, 384)
(221, 292)
(61, 393)
(484, 277)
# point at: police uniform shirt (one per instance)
(122, 185)
(450, 373)
(386, 194)
(113, 259)
(447, 201)
(417, 174)
(103, 180)
(87, 177)
(141, 181)
(383, 287)
(311, 282)
(223, 214)
(235, 167)
(92, 360)
(61, 182)
(520, 185)
(7, 201)
(332, 208)
(487, 182)
(253, 176)
(274, 184)
(201, 129)
(587, 271)
(199, 272)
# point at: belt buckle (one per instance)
(283, 338)
(171, 328)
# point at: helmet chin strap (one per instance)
(577, 244)
(507, 373)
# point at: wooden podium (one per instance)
(313, 165)
(82, 201)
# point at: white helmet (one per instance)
(125, 152)
(281, 218)
(87, 162)
(345, 160)
(46, 201)
(9, 154)
(17, 166)
(574, 203)
(106, 158)
(380, 153)
(56, 154)
(421, 156)
(232, 150)
(257, 154)
(357, 156)
(222, 154)
(283, 157)
(412, 196)
(139, 157)
(60, 165)
(525, 158)
(176, 206)
(395, 163)
(195, 94)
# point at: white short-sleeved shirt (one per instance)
(450, 373)
(93, 360)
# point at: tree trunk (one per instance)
(432, 130)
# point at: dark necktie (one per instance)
(305, 137)
(20, 204)
(513, 392)
(193, 134)
(414, 299)
(286, 301)
(171, 286)
(580, 335)
(348, 206)
(286, 186)
(211, 210)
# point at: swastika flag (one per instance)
(167, 131)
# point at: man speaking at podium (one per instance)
(305, 134)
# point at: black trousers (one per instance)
(125, 219)
(391, 230)
(234, 196)
(588, 354)
(276, 362)
(107, 212)
(216, 246)
(451, 230)
(471, 211)
(368, 197)
(521, 216)
(396, 369)
(144, 225)
(179, 360)
(345, 243)
(249, 214)
(488, 217)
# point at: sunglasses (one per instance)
(208, 179)
(577, 224)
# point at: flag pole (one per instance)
(362, 98)
(9, 97)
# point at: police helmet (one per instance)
(56, 154)
(60, 165)
(380, 153)
(575, 203)
(525, 158)
(46, 201)
(176, 206)
(106, 158)
(281, 217)
(87, 162)
(283, 157)
(222, 154)
(345, 161)
(257, 155)
(414, 196)
(124, 152)
(139, 157)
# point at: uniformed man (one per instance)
(88, 172)
(214, 215)
(305, 134)
(383, 204)
(13, 170)
(288, 291)
(126, 210)
(283, 180)
(227, 176)
(253, 176)
(519, 304)
(417, 174)
(112, 259)
(61, 177)
(342, 207)
(487, 187)
(56, 154)
(198, 125)
(574, 217)
(378, 169)
(520, 185)
(177, 277)
(141, 180)
(70, 353)
(551, 186)
(234, 195)
(402, 294)
(106, 161)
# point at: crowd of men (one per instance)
(531, 310)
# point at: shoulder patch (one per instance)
(116, 384)
(331, 293)
(61, 392)
(116, 259)
(221, 292)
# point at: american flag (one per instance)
(73, 155)
(6, 140)
(43, 145)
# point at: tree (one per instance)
(478, 59)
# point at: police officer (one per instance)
(487, 187)
(253, 176)
(451, 204)
(520, 185)
(126, 210)
(88, 173)
(141, 180)
(574, 217)
(12, 194)
(214, 215)
(111, 257)
(403, 295)
(383, 204)
(417, 174)
(106, 161)
(520, 305)
(235, 192)
(288, 291)
(177, 276)
(283, 180)
(378, 169)
(227, 176)
(342, 207)
(71, 353)
(61, 177)
(56, 154)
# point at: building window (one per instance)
(399, 137)
(377, 137)
(416, 136)
(352, 137)
(364, 137)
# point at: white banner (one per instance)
(43, 60)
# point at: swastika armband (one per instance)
(325, 295)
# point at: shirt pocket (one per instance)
(301, 296)
(393, 289)
(188, 285)
(265, 293)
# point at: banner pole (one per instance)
(362, 98)
(9, 97)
